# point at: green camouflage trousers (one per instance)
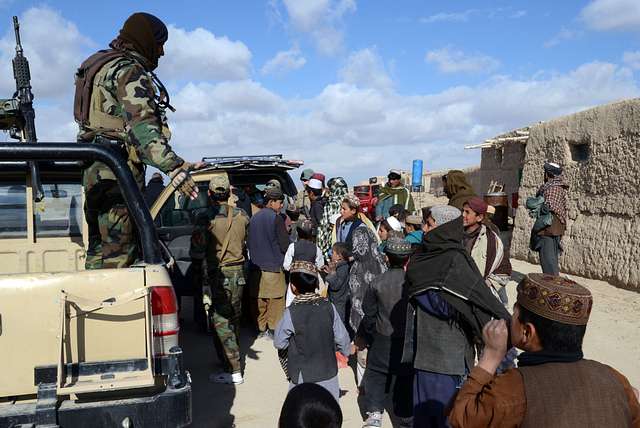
(112, 237)
(227, 285)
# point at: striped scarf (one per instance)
(338, 189)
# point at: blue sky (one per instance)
(352, 87)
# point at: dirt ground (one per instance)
(612, 338)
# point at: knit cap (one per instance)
(444, 214)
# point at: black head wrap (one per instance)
(553, 169)
(145, 34)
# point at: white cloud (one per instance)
(449, 17)
(632, 59)
(358, 131)
(54, 48)
(467, 15)
(606, 15)
(366, 69)
(321, 19)
(449, 60)
(201, 55)
(563, 35)
(356, 126)
(284, 61)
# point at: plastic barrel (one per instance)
(500, 201)
(416, 174)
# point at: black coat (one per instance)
(443, 264)
(338, 290)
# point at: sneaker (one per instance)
(229, 378)
(374, 420)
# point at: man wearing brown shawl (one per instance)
(457, 188)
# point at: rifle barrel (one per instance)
(16, 29)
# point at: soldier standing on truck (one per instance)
(119, 102)
(219, 238)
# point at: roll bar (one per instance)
(94, 152)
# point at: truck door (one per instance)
(48, 302)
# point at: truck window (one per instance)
(361, 191)
(180, 210)
(13, 210)
(59, 214)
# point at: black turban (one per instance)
(144, 33)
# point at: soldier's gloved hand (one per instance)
(181, 179)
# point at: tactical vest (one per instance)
(87, 107)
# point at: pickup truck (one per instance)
(175, 215)
(81, 348)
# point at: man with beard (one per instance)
(120, 103)
(485, 247)
(394, 193)
(547, 241)
(450, 304)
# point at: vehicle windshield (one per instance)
(361, 191)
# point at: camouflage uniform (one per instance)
(124, 111)
(220, 242)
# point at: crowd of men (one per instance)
(416, 300)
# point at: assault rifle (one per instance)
(17, 114)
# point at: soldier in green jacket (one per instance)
(121, 103)
(219, 238)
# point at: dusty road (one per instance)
(613, 337)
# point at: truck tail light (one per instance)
(164, 308)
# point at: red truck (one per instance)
(368, 195)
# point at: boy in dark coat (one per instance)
(383, 329)
(338, 280)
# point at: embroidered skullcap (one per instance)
(555, 298)
(305, 225)
(444, 214)
(552, 168)
(394, 223)
(314, 183)
(352, 200)
(303, 266)
(478, 205)
(398, 246)
(306, 174)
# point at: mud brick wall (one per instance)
(600, 151)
